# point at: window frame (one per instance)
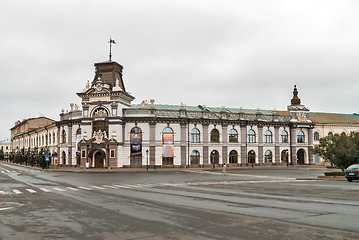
(300, 137)
(233, 156)
(195, 135)
(195, 157)
(268, 137)
(251, 137)
(233, 136)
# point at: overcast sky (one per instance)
(216, 53)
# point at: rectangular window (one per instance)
(83, 154)
(112, 153)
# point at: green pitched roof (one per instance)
(200, 108)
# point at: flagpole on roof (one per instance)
(110, 42)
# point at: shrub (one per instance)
(334, 174)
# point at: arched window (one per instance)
(168, 148)
(268, 156)
(284, 136)
(343, 134)
(330, 135)
(251, 136)
(136, 146)
(268, 137)
(284, 156)
(300, 137)
(63, 136)
(214, 136)
(214, 157)
(233, 136)
(251, 156)
(167, 130)
(78, 132)
(195, 136)
(316, 136)
(233, 156)
(194, 157)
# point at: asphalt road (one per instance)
(267, 203)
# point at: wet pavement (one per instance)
(259, 203)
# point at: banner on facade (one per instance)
(168, 138)
(136, 144)
(168, 149)
(78, 139)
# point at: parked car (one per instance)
(352, 172)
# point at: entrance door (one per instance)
(300, 156)
(99, 160)
(214, 157)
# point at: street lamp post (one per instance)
(147, 159)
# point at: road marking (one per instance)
(97, 187)
(5, 169)
(59, 189)
(16, 191)
(31, 190)
(6, 208)
(45, 189)
(2, 192)
(71, 188)
(107, 186)
(122, 186)
(2, 171)
(86, 188)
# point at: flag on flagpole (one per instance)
(112, 41)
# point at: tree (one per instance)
(340, 150)
(1, 154)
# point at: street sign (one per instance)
(47, 158)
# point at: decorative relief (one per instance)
(100, 112)
(99, 136)
(301, 117)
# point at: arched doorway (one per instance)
(300, 157)
(99, 159)
(251, 156)
(63, 158)
(214, 157)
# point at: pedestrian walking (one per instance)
(224, 169)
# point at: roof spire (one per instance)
(295, 100)
(110, 42)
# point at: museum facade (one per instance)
(107, 130)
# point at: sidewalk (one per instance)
(169, 169)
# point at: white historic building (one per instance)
(109, 131)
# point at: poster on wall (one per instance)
(168, 138)
(168, 149)
(136, 144)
